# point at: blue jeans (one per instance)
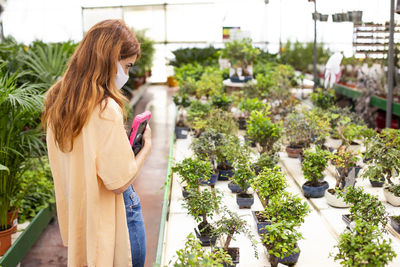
(137, 234)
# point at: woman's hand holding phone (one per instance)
(147, 139)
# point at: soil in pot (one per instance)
(5, 238)
(334, 200)
(204, 234)
(395, 222)
(261, 222)
(314, 191)
(293, 152)
(245, 201)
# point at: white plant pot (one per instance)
(335, 200)
(391, 198)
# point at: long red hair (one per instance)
(88, 80)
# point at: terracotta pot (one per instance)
(293, 152)
(5, 239)
(12, 218)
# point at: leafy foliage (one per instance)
(244, 174)
(269, 182)
(221, 101)
(35, 189)
(186, 71)
(193, 171)
(203, 56)
(298, 130)
(194, 255)
(366, 207)
(314, 164)
(210, 83)
(364, 246)
(323, 98)
(202, 204)
(267, 160)
(344, 159)
(145, 62)
(262, 130)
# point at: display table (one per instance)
(233, 87)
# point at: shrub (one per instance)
(192, 171)
(323, 98)
(269, 182)
(314, 164)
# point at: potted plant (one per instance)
(323, 99)
(395, 222)
(320, 126)
(265, 160)
(262, 130)
(229, 226)
(364, 246)
(242, 178)
(194, 255)
(281, 239)
(313, 167)
(197, 111)
(181, 101)
(269, 182)
(241, 55)
(192, 172)
(20, 108)
(366, 207)
(298, 134)
(202, 205)
(384, 152)
(221, 122)
(222, 101)
(246, 106)
(226, 153)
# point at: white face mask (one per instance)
(121, 78)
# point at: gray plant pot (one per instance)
(244, 201)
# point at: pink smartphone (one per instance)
(138, 127)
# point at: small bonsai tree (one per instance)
(230, 225)
(314, 164)
(323, 98)
(194, 255)
(384, 150)
(320, 125)
(192, 171)
(262, 130)
(364, 246)
(221, 122)
(265, 160)
(210, 83)
(247, 105)
(365, 207)
(281, 240)
(268, 183)
(202, 205)
(298, 130)
(228, 150)
(222, 102)
(344, 160)
(244, 174)
(285, 206)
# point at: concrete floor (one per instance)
(48, 249)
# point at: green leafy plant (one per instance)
(35, 190)
(244, 174)
(192, 171)
(298, 130)
(323, 98)
(197, 111)
(269, 182)
(395, 189)
(188, 71)
(20, 108)
(221, 101)
(364, 246)
(281, 240)
(263, 131)
(230, 225)
(220, 121)
(285, 206)
(266, 160)
(365, 207)
(194, 255)
(205, 146)
(384, 150)
(247, 105)
(228, 150)
(201, 205)
(203, 56)
(344, 160)
(319, 122)
(145, 62)
(210, 83)
(314, 164)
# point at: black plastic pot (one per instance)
(237, 80)
(212, 181)
(260, 225)
(291, 259)
(314, 191)
(244, 201)
(377, 183)
(181, 132)
(205, 240)
(395, 224)
(242, 123)
(224, 175)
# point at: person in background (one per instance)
(91, 159)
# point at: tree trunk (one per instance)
(227, 242)
(204, 218)
(273, 260)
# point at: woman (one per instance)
(90, 156)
